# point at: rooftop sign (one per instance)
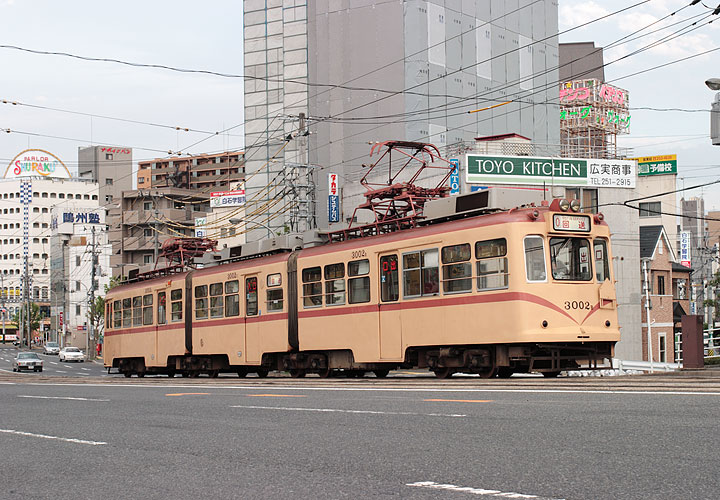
(482, 169)
(36, 163)
(657, 165)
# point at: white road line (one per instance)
(52, 362)
(334, 410)
(474, 491)
(86, 374)
(86, 369)
(60, 371)
(43, 436)
(59, 397)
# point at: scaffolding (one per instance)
(592, 115)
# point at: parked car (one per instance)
(27, 361)
(51, 348)
(71, 354)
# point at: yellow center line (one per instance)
(461, 400)
(189, 394)
(274, 396)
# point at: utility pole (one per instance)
(27, 304)
(647, 312)
(157, 216)
(91, 306)
(2, 291)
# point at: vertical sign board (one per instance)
(200, 223)
(685, 255)
(333, 199)
(455, 177)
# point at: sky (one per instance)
(208, 36)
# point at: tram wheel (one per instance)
(262, 373)
(490, 373)
(443, 373)
(324, 373)
(194, 374)
(381, 373)
(185, 374)
(140, 374)
(127, 374)
(551, 374)
(297, 373)
(505, 372)
(214, 373)
(171, 374)
(242, 373)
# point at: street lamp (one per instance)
(257, 224)
(714, 84)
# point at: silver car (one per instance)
(27, 361)
(71, 354)
(51, 348)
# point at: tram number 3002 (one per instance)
(577, 304)
(358, 253)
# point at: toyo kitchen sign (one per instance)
(482, 169)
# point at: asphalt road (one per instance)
(52, 366)
(312, 438)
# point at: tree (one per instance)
(20, 316)
(96, 316)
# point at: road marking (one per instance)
(86, 369)
(461, 400)
(43, 436)
(53, 362)
(275, 396)
(474, 491)
(334, 410)
(60, 371)
(189, 394)
(59, 397)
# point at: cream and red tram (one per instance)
(529, 289)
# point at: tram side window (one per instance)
(161, 316)
(201, 302)
(251, 296)
(492, 264)
(232, 298)
(602, 263)
(137, 311)
(117, 314)
(274, 292)
(457, 270)
(570, 259)
(535, 258)
(334, 284)
(312, 287)
(216, 300)
(389, 279)
(176, 307)
(358, 287)
(127, 312)
(108, 315)
(420, 273)
(147, 309)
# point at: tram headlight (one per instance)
(564, 205)
(575, 205)
(599, 218)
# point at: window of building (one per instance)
(108, 198)
(147, 205)
(312, 287)
(87, 196)
(358, 282)
(457, 270)
(108, 156)
(650, 209)
(141, 180)
(662, 347)
(147, 232)
(389, 279)
(109, 181)
(661, 285)
(44, 225)
(61, 195)
(251, 296)
(535, 258)
(44, 210)
(36, 210)
(420, 273)
(44, 241)
(44, 195)
(148, 258)
(94, 197)
(77, 309)
(77, 286)
(335, 284)
(176, 305)
(53, 195)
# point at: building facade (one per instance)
(111, 167)
(450, 57)
(201, 172)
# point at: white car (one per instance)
(51, 348)
(71, 354)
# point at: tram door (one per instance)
(253, 343)
(390, 330)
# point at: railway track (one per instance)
(683, 382)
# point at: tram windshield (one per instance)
(570, 259)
